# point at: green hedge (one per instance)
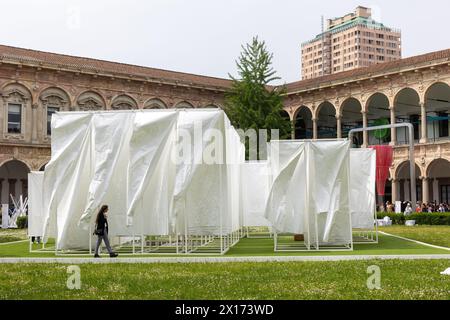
(421, 218)
(22, 222)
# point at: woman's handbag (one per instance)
(98, 232)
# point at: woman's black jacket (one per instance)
(102, 223)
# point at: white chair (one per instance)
(387, 221)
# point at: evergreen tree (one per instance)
(251, 103)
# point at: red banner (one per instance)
(384, 161)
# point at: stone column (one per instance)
(5, 191)
(34, 123)
(425, 190)
(12, 189)
(395, 186)
(314, 120)
(436, 190)
(293, 129)
(1, 190)
(365, 135)
(423, 123)
(338, 126)
(406, 188)
(393, 130)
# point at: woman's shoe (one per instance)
(96, 256)
(113, 255)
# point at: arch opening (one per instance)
(378, 113)
(439, 174)
(403, 181)
(303, 125)
(407, 110)
(326, 121)
(13, 180)
(437, 106)
(351, 118)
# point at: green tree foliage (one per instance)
(252, 103)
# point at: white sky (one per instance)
(204, 36)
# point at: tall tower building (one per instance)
(352, 41)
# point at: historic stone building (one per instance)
(35, 84)
(415, 90)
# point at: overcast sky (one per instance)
(204, 36)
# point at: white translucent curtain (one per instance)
(35, 204)
(286, 203)
(153, 186)
(235, 156)
(310, 191)
(109, 161)
(362, 186)
(328, 172)
(256, 183)
(151, 172)
(201, 196)
(70, 134)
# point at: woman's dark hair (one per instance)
(101, 212)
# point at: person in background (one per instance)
(101, 230)
(390, 207)
(424, 208)
(408, 209)
(418, 208)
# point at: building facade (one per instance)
(414, 90)
(349, 42)
(35, 84)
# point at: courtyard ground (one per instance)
(437, 235)
(400, 279)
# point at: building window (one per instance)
(14, 118)
(50, 112)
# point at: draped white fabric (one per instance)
(70, 133)
(362, 187)
(130, 161)
(255, 183)
(35, 203)
(310, 191)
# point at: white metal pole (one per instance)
(220, 211)
(90, 238)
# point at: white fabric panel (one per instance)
(286, 203)
(310, 192)
(70, 131)
(328, 194)
(151, 172)
(235, 156)
(362, 187)
(35, 204)
(111, 136)
(126, 160)
(73, 201)
(255, 182)
(201, 194)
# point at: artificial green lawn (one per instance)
(10, 235)
(400, 279)
(263, 247)
(437, 235)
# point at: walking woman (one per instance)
(101, 230)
